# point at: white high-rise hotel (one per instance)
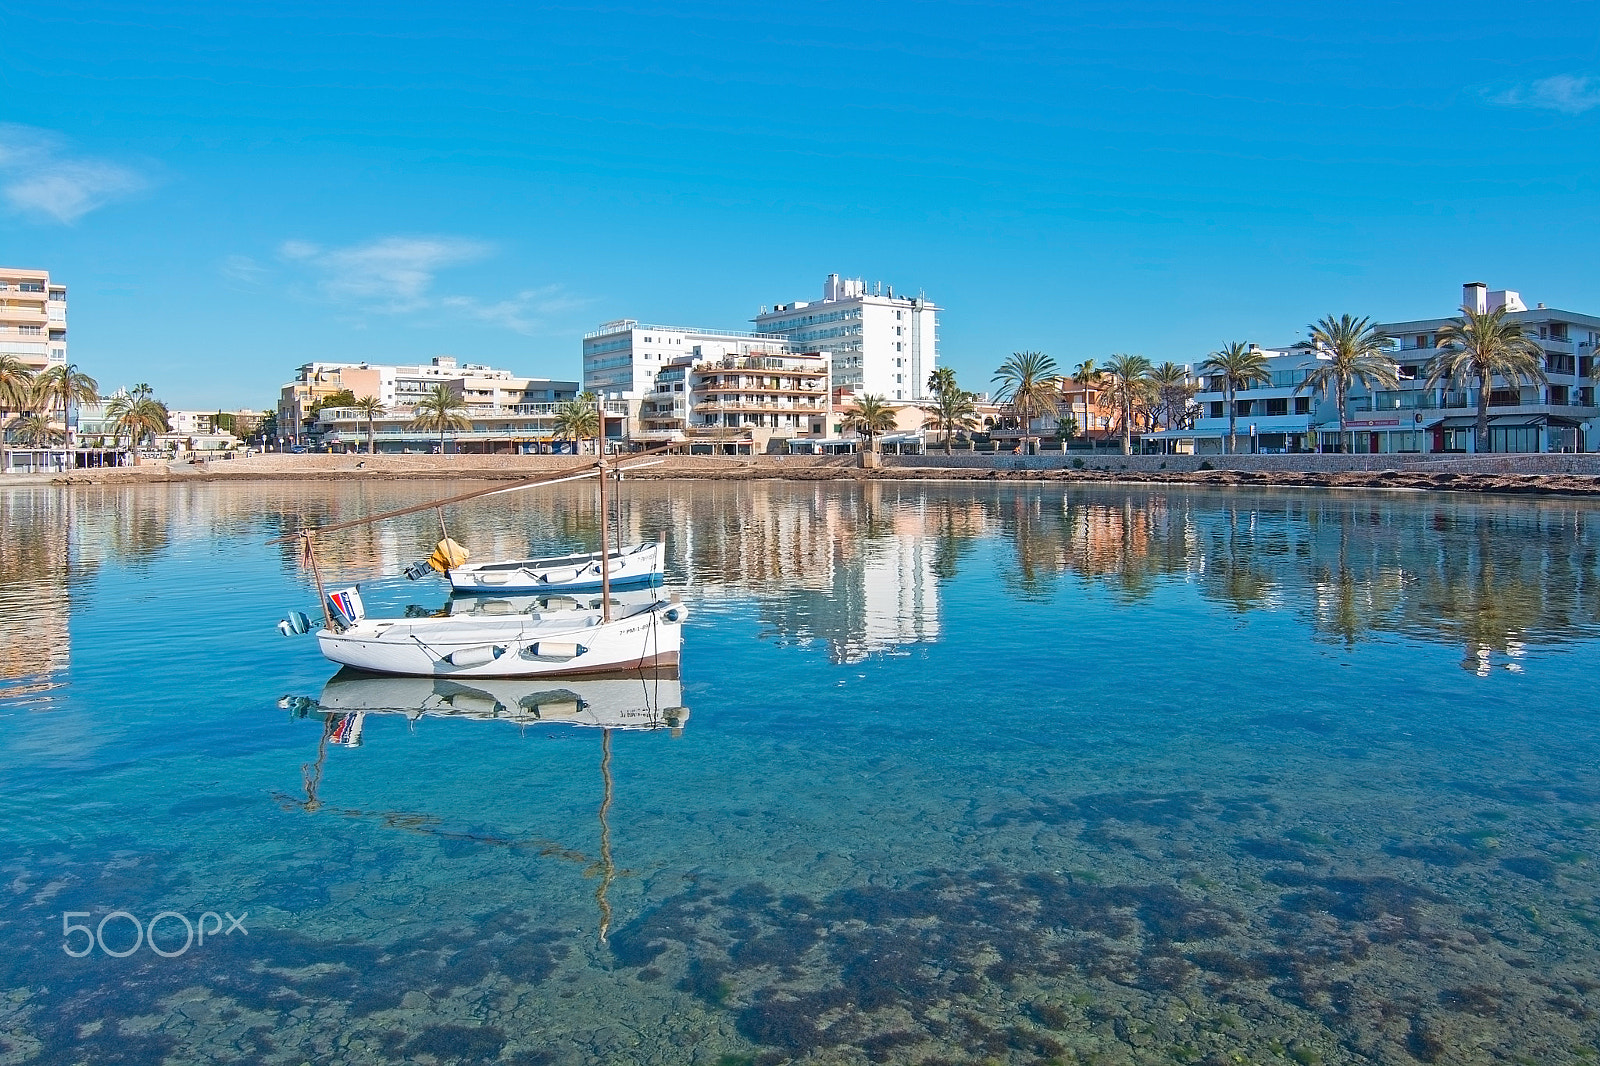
(885, 345)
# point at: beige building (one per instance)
(33, 318)
(485, 390)
(739, 401)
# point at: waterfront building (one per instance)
(739, 402)
(1413, 418)
(1548, 417)
(33, 318)
(886, 345)
(622, 358)
(508, 411)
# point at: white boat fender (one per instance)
(483, 653)
(555, 649)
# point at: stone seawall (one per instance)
(1587, 464)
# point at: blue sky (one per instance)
(230, 192)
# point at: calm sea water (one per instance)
(968, 774)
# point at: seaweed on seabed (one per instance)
(882, 953)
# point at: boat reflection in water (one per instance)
(651, 700)
(634, 701)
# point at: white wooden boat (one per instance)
(645, 701)
(537, 644)
(639, 564)
(486, 605)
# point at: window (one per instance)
(1558, 331)
(1279, 406)
(1302, 405)
(1214, 409)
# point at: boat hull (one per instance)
(637, 565)
(565, 643)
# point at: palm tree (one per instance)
(1174, 390)
(136, 417)
(16, 394)
(64, 386)
(35, 430)
(942, 380)
(439, 411)
(953, 410)
(1352, 350)
(1239, 366)
(1480, 346)
(371, 407)
(1027, 382)
(1127, 382)
(869, 417)
(576, 420)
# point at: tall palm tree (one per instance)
(440, 411)
(1482, 346)
(64, 386)
(942, 380)
(1239, 365)
(16, 394)
(577, 420)
(953, 410)
(1174, 390)
(869, 417)
(1027, 382)
(1353, 351)
(35, 430)
(1127, 383)
(136, 417)
(371, 407)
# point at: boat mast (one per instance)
(605, 531)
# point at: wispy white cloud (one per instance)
(41, 176)
(243, 268)
(522, 313)
(1567, 93)
(391, 274)
(399, 275)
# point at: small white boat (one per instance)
(487, 605)
(536, 644)
(645, 701)
(636, 565)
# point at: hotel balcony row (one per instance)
(819, 407)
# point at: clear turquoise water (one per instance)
(971, 773)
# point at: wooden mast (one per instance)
(605, 530)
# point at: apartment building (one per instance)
(622, 358)
(33, 318)
(740, 401)
(1558, 416)
(486, 391)
(1279, 415)
(882, 344)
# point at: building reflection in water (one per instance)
(861, 568)
(1490, 576)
